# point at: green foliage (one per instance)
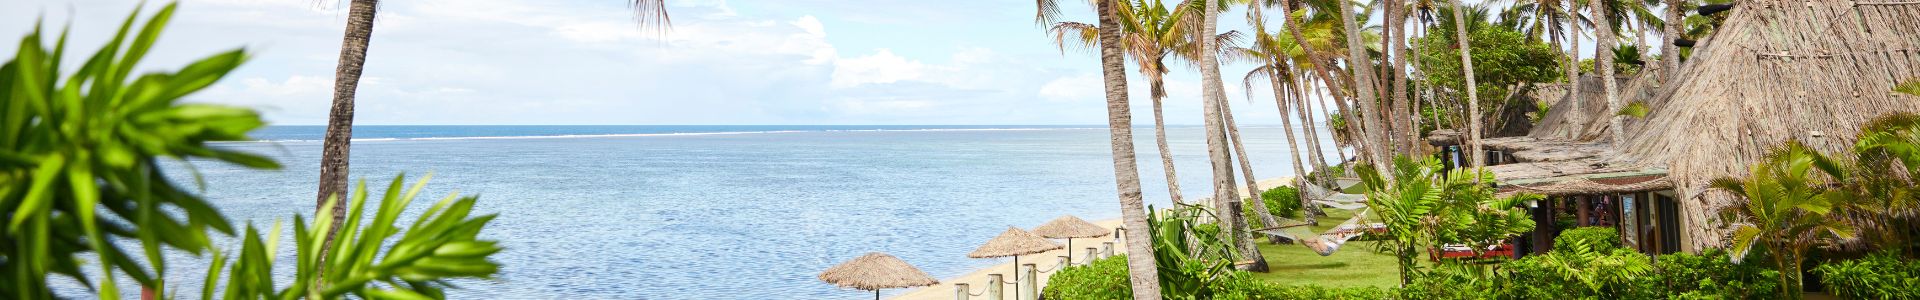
(1600, 238)
(78, 160)
(1502, 59)
(1425, 208)
(1576, 269)
(1188, 256)
(1710, 275)
(1103, 279)
(1884, 193)
(79, 164)
(1911, 87)
(1106, 279)
(366, 261)
(1789, 209)
(1282, 201)
(1453, 280)
(1634, 109)
(1879, 276)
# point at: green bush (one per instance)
(1282, 201)
(1576, 270)
(1878, 276)
(1105, 278)
(1603, 239)
(1711, 275)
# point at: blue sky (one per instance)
(587, 62)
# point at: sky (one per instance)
(588, 62)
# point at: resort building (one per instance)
(1774, 71)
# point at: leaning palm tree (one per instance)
(353, 57)
(1364, 86)
(1150, 32)
(1270, 51)
(1213, 96)
(1141, 272)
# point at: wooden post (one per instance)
(1106, 249)
(1064, 262)
(1092, 253)
(1029, 286)
(960, 291)
(996, 287)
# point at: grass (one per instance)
(1355, 264)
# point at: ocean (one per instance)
(721, 212)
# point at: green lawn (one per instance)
(1355, 264)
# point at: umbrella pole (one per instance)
(1069, 250)
(876, 294)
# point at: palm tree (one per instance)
(1271, 51)
(1473, 89)
(353, 57)
(1141, 272)
(1787, 209)
(1578, 118)
(1670, 54)
(1150, 33)
(1364, 86)
(1320, 63)
(1603, 62)
(1226, 194)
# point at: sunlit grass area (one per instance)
(1356, 264)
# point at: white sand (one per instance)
(977, 280)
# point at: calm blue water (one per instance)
(726, 212)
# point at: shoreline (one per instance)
(1044, 260)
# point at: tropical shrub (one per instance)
(1103, 279)
(1789, 202)
(1575, 269)
(1601, 238)
(1710, 275)
(79, 176)
(1503, 59)
(1240, 286)
(1189, 255)
(1879, 276)
(1282, 201)
(1425, 208)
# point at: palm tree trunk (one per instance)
(1603, 63)
(1670, 54)
(1126, 174)
(1246, 170)
(1397, 28)
(1299, 171)
(1473, 89)
(337, 143)
(1225, 194)
(1578, 116)
(1357, 58)
(1160, 138)
(1316, 154)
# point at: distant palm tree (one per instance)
(1141, 272)
(1150, 33)
(1357, 60)
(353, 57)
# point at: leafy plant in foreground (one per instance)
(78, 160)
(443, 243)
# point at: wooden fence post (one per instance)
(996, 287)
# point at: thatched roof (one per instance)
(876, 271)
(1070, 227)
(1014, 242)
(1588, 184)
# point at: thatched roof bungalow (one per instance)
(1776, 70)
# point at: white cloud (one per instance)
(880, 67)
(1077, 88)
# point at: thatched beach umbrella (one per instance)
(876, 271)
(1069, 227)
(1014, 242)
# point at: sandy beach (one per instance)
(1044, 261)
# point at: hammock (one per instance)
(1324, 243)
(1324, 197)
